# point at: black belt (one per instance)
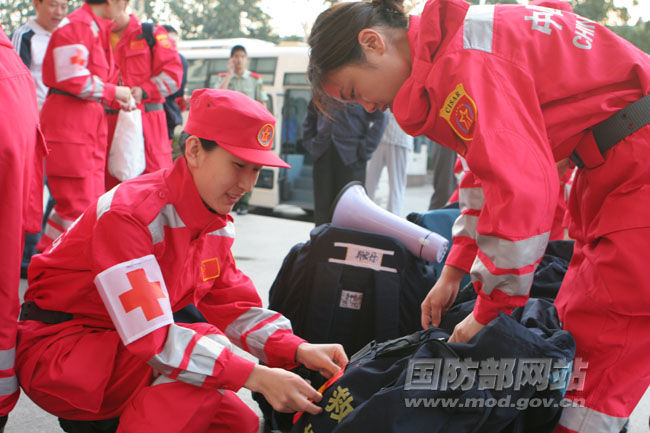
(153, 107)
(147, 108)
(53, 91)
(612, 130)
(30, 311)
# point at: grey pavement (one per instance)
(260, 245)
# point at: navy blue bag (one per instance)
(379, 391)
(349, 287)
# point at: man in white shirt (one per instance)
(30, 40)
(393, 153)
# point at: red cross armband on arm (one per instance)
(136, 297)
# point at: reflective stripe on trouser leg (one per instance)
(610, 331)
(581, 419)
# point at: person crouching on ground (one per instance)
(96, 338)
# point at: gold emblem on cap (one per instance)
(265, 135)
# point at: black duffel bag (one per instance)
(509, 378)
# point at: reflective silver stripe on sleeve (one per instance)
(465, 225)
(585, 420)
(204, 355)
(104, 202)
(257, 340)
(471, 198)
(227, 231)
(165, 84)
(93, 88)
(167, 217)
(171, 356)
(511, 284)
(478, 28)
(7, 358)
(8, 385)
(513, 254)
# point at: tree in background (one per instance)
(14, 13)
(207, 19)
(199, 19)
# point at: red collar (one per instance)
(188, 203)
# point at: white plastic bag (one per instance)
(126, 159)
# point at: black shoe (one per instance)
(99, 426)
(3, 421)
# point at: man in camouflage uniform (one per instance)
(242, 80)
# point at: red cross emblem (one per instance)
(144, 294)
(79, 58)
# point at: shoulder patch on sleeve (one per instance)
(459, 110)
(136, 297)
(163, 40)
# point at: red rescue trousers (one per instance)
(21, 186)
(80, 372)
(75, 169)
(604, 300)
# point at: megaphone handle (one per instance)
(423, 242)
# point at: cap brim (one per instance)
(259, 157)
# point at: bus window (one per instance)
(297, 186)
(295, 79)
(265, 66)
(197, 74)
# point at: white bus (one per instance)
(283, 70)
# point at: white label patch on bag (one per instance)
(70, 61)
(351, 300)
(136, 297)
(362, 256)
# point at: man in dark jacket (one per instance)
(340, 147)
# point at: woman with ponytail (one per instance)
(517, 91)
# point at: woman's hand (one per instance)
(441, 296)
(465, 330)
(123, 95)
(324, 358)
(285, 391)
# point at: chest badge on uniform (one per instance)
(138, 44)
(265, 135)
(210, 269)
(459, 110)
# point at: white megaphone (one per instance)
(353, 209)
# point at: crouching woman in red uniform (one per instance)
(515, 90)
(97, 340)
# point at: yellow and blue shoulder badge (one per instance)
(459, 110)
